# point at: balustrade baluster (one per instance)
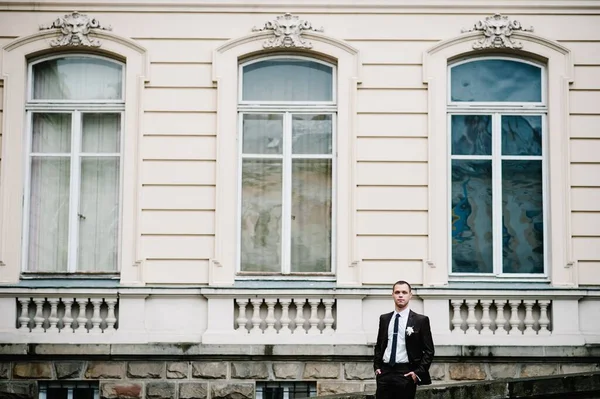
(68, 317)
(256, 320)
(39, 314)
(24, 318)
(528, 320)
(500, 319)
(270, 319)
(486, 321)
(514, 317)
(242, 320)
(544, 320)
(314, 319)
(471, 320)
(111, 319)
(53, 317)
(96, 319)
(457, 317)
(285, 316)
(328, 319)
(300, 316)
(82, 317)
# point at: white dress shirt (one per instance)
(401, 353)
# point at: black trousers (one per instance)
(392, 384)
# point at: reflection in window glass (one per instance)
(287, 80)
(261, 215)
(521, 135)
(311, 134)
(262, 134)
(522, 217)
(471, 135)
(471, 215)
(494, 80)
(77, 78)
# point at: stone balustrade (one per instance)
(274, 315)
(501, 316)
(54, 314)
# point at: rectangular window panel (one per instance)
(57, 393)
(522, 217)
(471, 134)
(83, 393)
(471, 214)
(51, 133)
(49, 214)
(311, 215)
(521, 135)
(101, 133)
(261, 215)
(98, 214)
(311, 134)
(262, 134)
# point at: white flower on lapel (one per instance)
(409, 331)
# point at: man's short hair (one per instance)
(400, 282)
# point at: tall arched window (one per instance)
(287, 109)
(497, 144)
(75, 108)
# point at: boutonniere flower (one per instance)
(409, 331)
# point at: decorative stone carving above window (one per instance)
(497, 30)
(74, 30)
(287, 31)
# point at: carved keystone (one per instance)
(74, 30)
(287, 31)
(497, 30)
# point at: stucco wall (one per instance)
(178, 146)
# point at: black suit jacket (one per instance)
(419, 344)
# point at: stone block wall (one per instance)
(190, 379)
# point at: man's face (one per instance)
(401, 295)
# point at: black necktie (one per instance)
(394, 341)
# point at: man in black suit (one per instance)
(404, 348)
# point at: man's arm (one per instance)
(426, 346)
(378, 353)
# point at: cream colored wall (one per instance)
(178, 146)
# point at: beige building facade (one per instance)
(207, 199)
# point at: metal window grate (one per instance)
(286, 390)
(68, 390)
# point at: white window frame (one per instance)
(76, 109)
(287, 109)
(497, 110)
(226, 73)
(558, 61)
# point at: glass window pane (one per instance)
(311, 134)
(522, 217)
(101, 133)
(83, 393)
(49, 214)
(262, 134)
(521, 135)
(311, 215)
(99, 214)
(496, 81)
(57, 393)
(77, 78)
(471, 135)
(287, 80)
(261, 215)
(472, 216)
(51, 133)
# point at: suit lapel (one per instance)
(386, 321)
(409, 322)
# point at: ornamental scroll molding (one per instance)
(497, 30)
(74, 30)
(287, 30)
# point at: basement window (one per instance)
(69, 390)
(285, 390)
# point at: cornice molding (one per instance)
(336, 6)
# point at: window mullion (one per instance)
(70, 393)
(74, 193)
(286, 225)
(497, 224)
